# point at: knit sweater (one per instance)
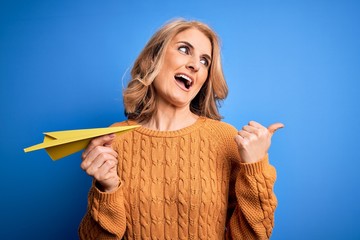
(184, 184)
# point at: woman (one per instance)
(183, 174)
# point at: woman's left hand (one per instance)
(254, 140)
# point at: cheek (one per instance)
(202, 77)
(173, 60)
(157, 84)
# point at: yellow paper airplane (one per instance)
(63, 143)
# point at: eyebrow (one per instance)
(192, 47)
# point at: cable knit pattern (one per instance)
(184, 184)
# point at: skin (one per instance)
(99, 160)
(254, 141)
(189, 53)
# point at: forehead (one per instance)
(196, 38)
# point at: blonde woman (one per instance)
(183, 174)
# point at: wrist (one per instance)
(253, 159)
(109, 188)
(255, 167)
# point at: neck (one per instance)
(171, 119)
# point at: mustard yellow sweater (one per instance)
(185, 184)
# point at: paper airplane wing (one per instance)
(63, 143)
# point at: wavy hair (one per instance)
(139, 96)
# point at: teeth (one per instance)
(183, 76)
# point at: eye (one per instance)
(184, 49)
(204, 61)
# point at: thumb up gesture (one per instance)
(254, 141)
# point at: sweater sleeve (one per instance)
(105, 218)
(252, 201)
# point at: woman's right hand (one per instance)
(99, 160)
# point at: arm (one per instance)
(252, 201)
(105, 217)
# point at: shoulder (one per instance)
(124, 136)
(124, 123)
(220, 131)
(220, 127)
(223, 134)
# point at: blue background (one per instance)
(63, 65)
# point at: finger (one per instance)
(274, 127)
(251, 129)
(97, 152)
(239, 140)
(93, 167)
(255, 124)
(100, 141)
(244, 134)
(106, 171)
(96, 164)
(243, 138)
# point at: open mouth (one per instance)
(184, 80)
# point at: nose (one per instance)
(193, 65)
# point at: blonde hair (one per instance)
(139, 96)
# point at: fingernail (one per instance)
(112, 135)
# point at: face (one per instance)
(185, 68)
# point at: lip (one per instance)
(181, 85)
